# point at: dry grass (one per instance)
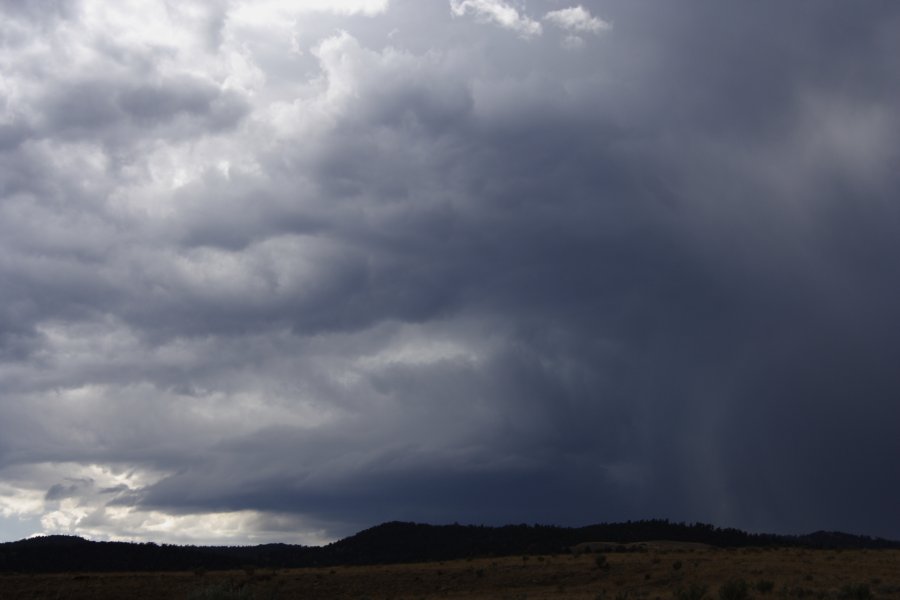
(776, 574)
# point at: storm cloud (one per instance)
(280, 271)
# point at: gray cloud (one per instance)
(39, 11)
(176, 107)
(290, 282)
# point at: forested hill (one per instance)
(392, 543)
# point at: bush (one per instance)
(220, 592)
(858, 591)
(736, 589)
(764, 586)
(676, 565)
(697, 591)
(601, 561)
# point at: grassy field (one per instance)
(662, 573)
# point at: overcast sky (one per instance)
(283, 270)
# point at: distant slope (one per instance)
(394, 543)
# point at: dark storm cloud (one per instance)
(493, 280)
(60, 491)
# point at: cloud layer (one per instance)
(498, 12)
(281, 272)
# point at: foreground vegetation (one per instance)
(659, 572)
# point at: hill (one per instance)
(398, 542)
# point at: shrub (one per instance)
(697, 591)
(220, 592)
(855, 591)
(601, 561)
(676, 565)
(736, 589)
(764, 586)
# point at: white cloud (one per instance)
(573, 42)
(343, 7)
(498, 12)
(280, 14)
(340, 7)
(577, 18)
(94, 501)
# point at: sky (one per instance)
(279, 271)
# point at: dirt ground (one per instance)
(656, 574)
